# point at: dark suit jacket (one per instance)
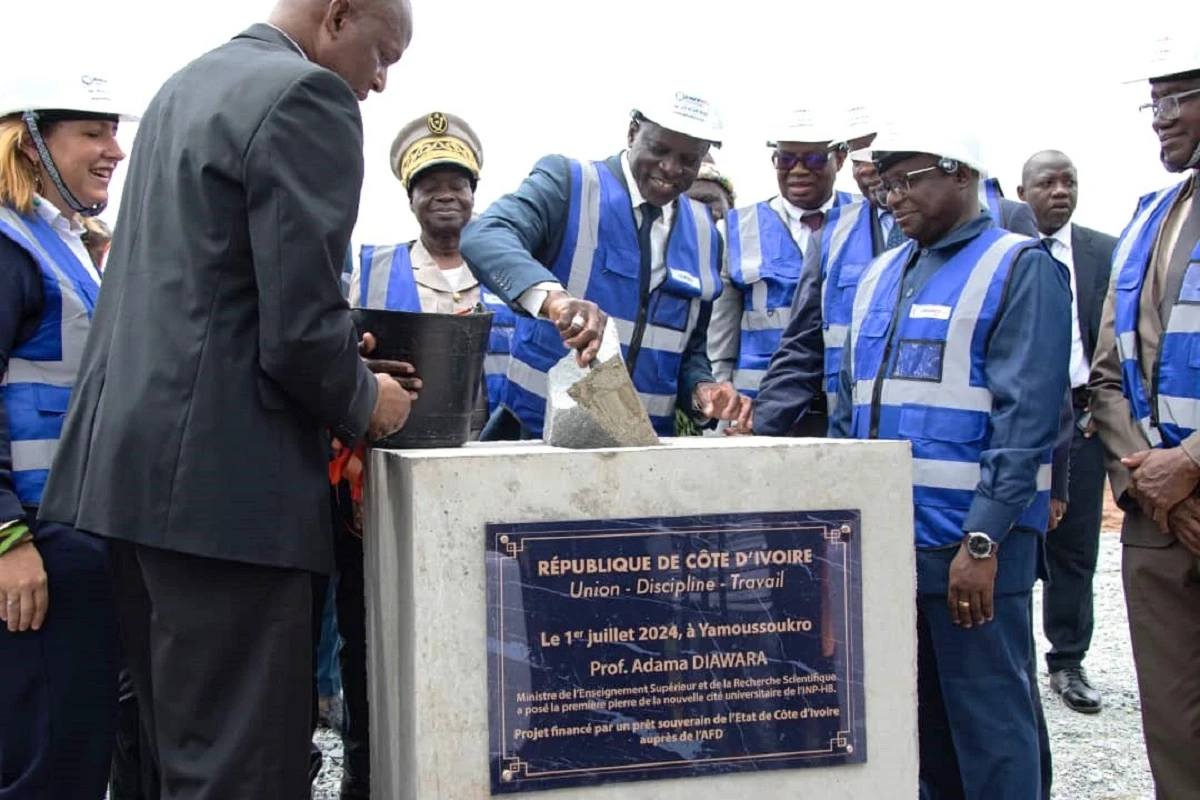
(1092, 252)
(221, 347)
(513, 244)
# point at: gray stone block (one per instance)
(595, 406)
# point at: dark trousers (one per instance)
(977, 712)
(134, 776)
(1162, 594)
(220, 657)
(58, 685)
(1071, 552)
(352, 624)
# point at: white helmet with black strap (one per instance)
(42, 97)
(1174, 57)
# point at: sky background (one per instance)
(560, 76)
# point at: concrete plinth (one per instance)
(427, 590)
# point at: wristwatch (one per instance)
(980, 545)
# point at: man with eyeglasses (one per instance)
(1145, 394)
(767, 243)
(958, 343)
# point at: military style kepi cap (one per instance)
(434, 140)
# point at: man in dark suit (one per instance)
(581, 241)
(1050, 187)
(221, 349)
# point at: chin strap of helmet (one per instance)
(30, 118)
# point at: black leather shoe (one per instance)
(1077, 693)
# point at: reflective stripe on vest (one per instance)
(936, 394)
(495, 364)
(1174, 413)
(765, 263)
(36, 389)
(846, 251)
(385, 280)
(600, 261)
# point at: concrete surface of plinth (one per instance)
(426, 594)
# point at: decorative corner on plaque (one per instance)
(834, 533)
(512, 545)
(512, 768)
(840, 742)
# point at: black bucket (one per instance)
(447, 351)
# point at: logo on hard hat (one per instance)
(97, 88)
(687, 105)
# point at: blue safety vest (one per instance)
(36, 389)
(933, 392)
(764, 264)
(846, 252)
(989, 198)
(600, 260)
(385, 280)
(1169, 411)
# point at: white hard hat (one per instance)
(861, 155)
(1171, 55)
(936, 139)
(81, 91)
(686, 113)
(813, 125)
(859, 123)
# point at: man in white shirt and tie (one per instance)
(1050, 187)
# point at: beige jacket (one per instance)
(1114, 420)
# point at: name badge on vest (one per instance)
(686, 278)
(921, 311)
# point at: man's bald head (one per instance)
(1045, 158)
(1050, 185)
(357, 39)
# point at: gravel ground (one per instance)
(1098, 757)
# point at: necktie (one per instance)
(813, 220)
(895, 236)
(650, 213)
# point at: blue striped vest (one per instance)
(1169, 411)
(36, 389)
(599, 260)
(935, 395)
(764, 264)
(385, 280)
(846, 252)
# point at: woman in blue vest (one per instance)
(59, 651)
(437, 158)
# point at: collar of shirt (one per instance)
(293, 42)
(794, 213)
(962, 234)
(427, 272)
(69, 229)
(1062, 236)
(635, 195)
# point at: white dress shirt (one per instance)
(800, 231)
(1059, 243)
(533, 297)
(70, 230)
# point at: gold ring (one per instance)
(963, 604)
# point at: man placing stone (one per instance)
(222, 351)
(982, 420)
(583, 240)
(1050, 185)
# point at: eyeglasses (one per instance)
(786, 162)
(1167, 108)
(903, 184)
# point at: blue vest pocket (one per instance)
(942, 425)
(1189, 292)
(670, 311)
(626, 263)
(51, 399)
(849, 275)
